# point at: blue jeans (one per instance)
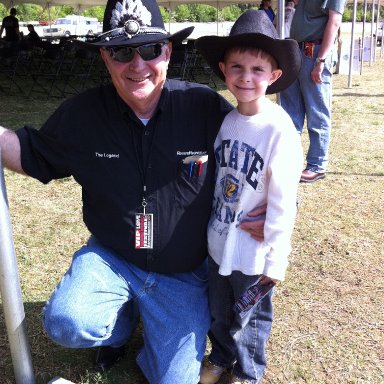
(238, 342)
(304, 98)
(100, 298)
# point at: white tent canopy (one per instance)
(83, 4)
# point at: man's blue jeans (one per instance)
(100, 298)
(238, 342)
(304, 98)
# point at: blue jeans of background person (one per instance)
(238, 342)
(98, 302)
(304, 98)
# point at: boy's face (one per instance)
(248, 73)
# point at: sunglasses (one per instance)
(125, 54)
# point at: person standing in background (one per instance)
(11, 26)
(314, 26)
(288, 16)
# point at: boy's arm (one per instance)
(10, 150)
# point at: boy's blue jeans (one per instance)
(238, 342)
(100, 298)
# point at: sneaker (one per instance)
(237, 380)
(210, 373)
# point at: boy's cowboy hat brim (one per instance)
(285, 51)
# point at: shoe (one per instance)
(210, 373)
(236, 380)
(106, 357)
(308, 176)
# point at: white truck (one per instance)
(73, 25)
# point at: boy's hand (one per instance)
(255, 225)
(265, 280)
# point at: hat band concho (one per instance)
(131, 28)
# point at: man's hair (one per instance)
(13, 11)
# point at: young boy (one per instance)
(258, 162)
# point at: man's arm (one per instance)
(10, 150)
(329, 36)
(255, 228)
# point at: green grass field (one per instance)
(329, 318)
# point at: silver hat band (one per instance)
(131, 28)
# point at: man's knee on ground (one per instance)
(71, 330)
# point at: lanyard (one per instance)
(141, 163)
(144, 220)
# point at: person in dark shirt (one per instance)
(33, 37)
(11, 26)
(142, 150)
(31, 40)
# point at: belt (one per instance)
(316, 42)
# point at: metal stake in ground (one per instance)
(11, 295)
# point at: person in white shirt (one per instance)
(289, 11)
(258, 162)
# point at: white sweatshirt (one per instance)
(259, 161)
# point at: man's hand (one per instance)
(10, 150)
(255, 224)
(316, 73)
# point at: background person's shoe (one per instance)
(210, 373)
(308, 176)
(106, 357)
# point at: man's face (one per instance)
(138, 80)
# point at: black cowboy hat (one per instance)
(134, 23)
(254, 29)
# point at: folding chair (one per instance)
(80, 71)
(199, 71)
(13, 72)
(177, 64)
(48, 74)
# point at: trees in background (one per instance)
(182, 13)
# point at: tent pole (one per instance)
(372, 39)
(352, 44)
(382, 30)
(280, 30)
(280, 19)
(363, 38)
(376, 30)
(11, 295)
(217, 18)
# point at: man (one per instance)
(33, 37)
(11, 26)
(314, 25)
(142, 150)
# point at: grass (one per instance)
(329, 319)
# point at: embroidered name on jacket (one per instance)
(107, 155)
